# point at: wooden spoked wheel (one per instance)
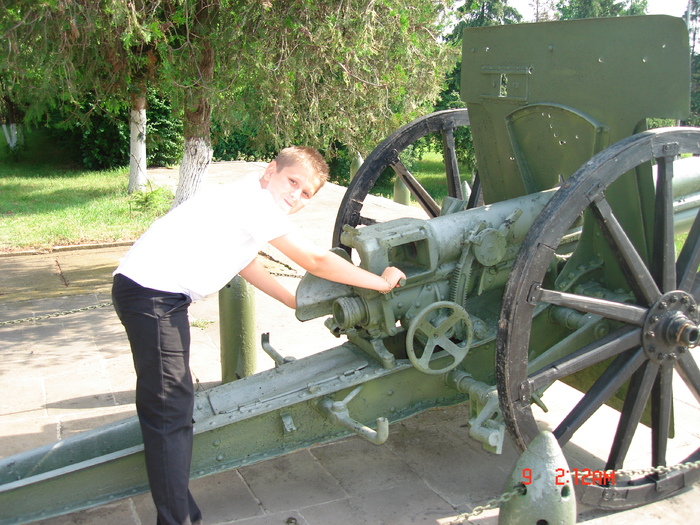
(647, 356)
(387, 155)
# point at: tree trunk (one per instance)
(12, 125)
(137, 124)
(13, 136)
(197, 151)
(195, 161)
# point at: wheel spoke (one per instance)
(650, 337)
(614, 376)
(424, 359)
(447, 324)
(663, 259)
(454, 182)
(609, 346)
(419, 193)
(633, 266)
(635, 401)
(688, 369)
(689, 258)
(661, 407)
(627, 313)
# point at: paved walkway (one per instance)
(68, 374)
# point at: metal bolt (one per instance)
(673, 299)
(659, 356)
(649, 334)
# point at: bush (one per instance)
(164, 139)
(102, 140)
(238, 143)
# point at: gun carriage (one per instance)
(579, 268)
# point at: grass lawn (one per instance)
(46, 202)
(430, 172)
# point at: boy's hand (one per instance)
(394, 277)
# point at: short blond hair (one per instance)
(305, 156)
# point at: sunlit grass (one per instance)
(430, 172)
(44, 204)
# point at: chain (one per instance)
(520, 490)
(662, 469)
(56, 314)
(490, 504)
(95, 306)
(282, 274)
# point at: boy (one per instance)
(194, 251)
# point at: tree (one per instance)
(480, 13)
(573, 9)
(62, 52)
(317, 72)
(544, 10)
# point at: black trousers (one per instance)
(158, 329)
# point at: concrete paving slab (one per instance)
(293, 481)
(347, 461)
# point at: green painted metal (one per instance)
(546, 491)
(237, 330)
(401, 193)
(543, 98)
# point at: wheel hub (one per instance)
(671, 326)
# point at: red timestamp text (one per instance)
(584, 476)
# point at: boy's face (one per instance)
(292, 187)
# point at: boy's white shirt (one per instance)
(198, 247)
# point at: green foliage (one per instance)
(482, 13)
(694, 117)
(238, 142)
(154, 202)
(574, 9)
(311, 72)
(104, 141)
(163, 131)
(339, 161)
(101, 141)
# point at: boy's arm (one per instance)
(328, 265)
(256, 274)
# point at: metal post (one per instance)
(237, 330)
(355, 165)
(401, 193)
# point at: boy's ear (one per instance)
(270, 170)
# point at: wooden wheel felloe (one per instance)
(646, 355)
(387, 155)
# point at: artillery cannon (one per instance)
(568, 274)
